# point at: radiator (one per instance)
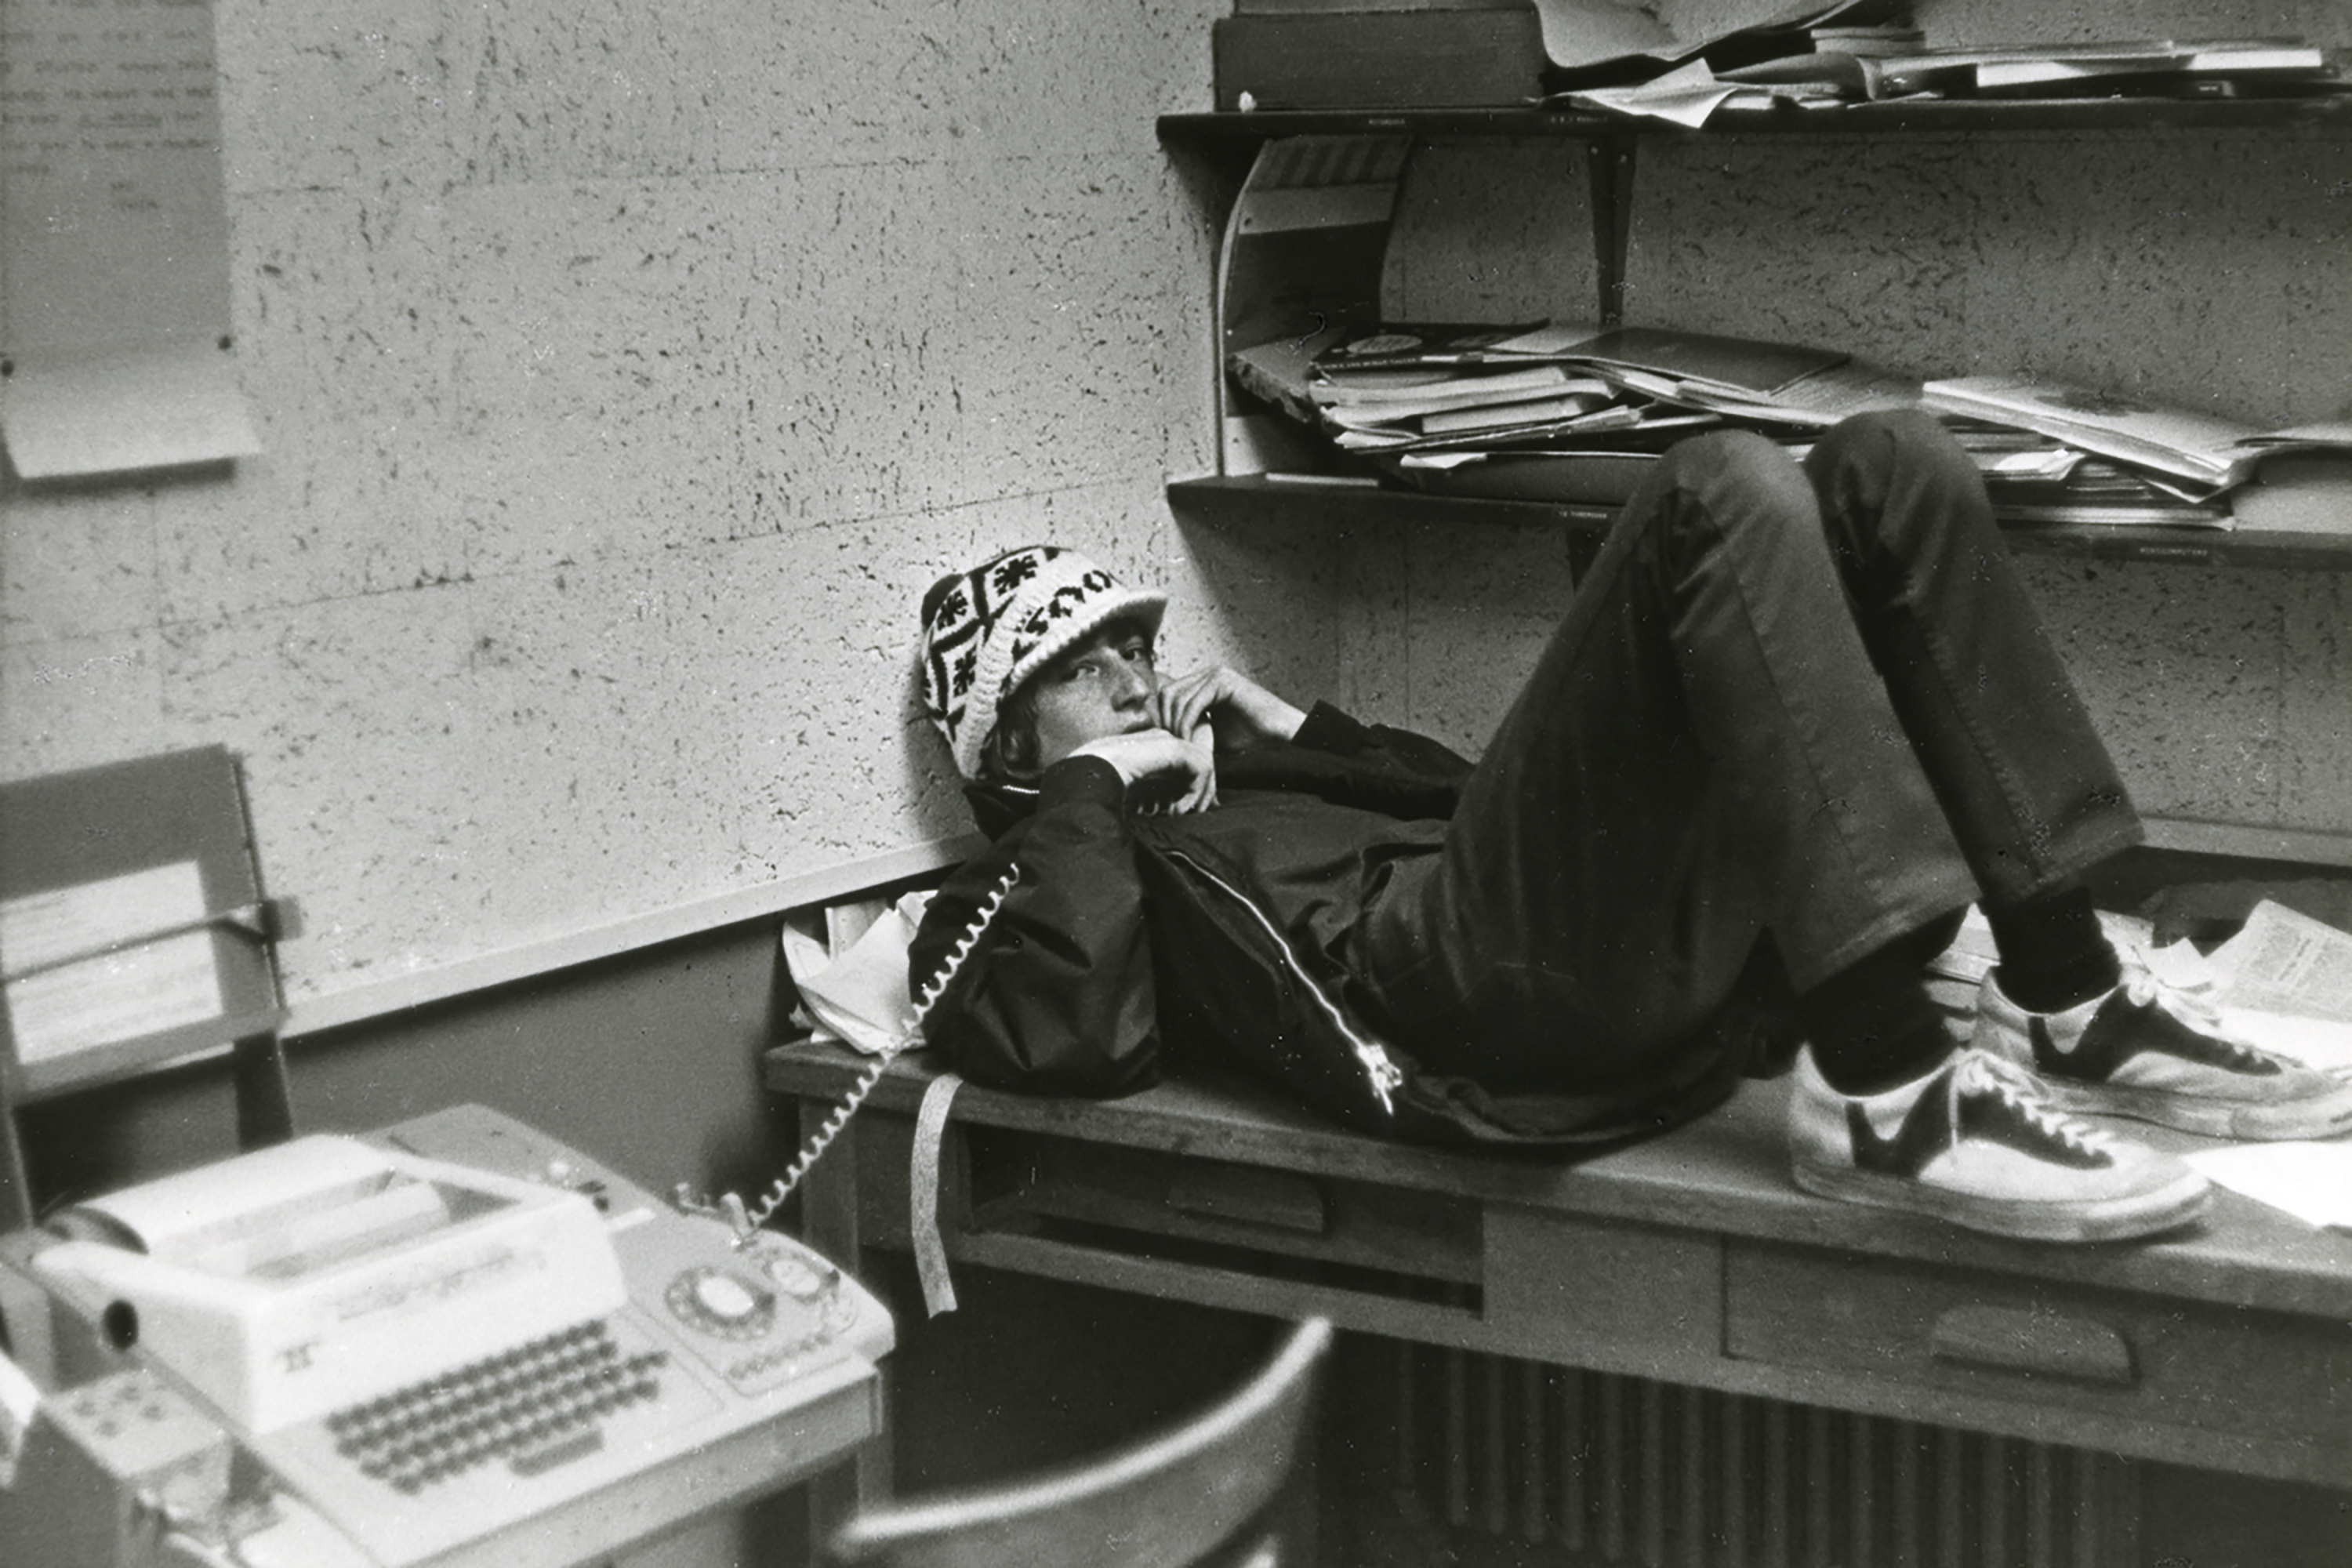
(1613, 1469)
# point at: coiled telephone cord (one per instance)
(745, 1219)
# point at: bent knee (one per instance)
(1730, 472)
(1726, 452)
(1891, 435)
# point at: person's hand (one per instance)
(1244, 713)
(1163, 772)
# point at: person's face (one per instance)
(1101, 688)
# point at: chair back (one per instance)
(1179, 1496)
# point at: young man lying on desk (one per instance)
(1794, 721)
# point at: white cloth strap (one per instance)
(923, 1195)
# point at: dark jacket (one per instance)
(1090, 948)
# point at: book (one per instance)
(1361, 437)
(1633, 426)
(1683, 358)
(2283, 964)
(1377, 58)
(1580, 399)
(1400, 394)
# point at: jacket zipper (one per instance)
(1382, 1072)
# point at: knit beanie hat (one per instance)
(987, 630)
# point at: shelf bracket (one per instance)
(1609, 169)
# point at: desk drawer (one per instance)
(1397, 1240)
(2065, 1349)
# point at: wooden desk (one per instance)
(1690, 1258)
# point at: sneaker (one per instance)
(1977, 1143)
(2152, 1052)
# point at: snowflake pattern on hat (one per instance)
(987, 630)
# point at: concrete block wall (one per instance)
(625, 373)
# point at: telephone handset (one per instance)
(745, 1220)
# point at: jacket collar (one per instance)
(997, 806)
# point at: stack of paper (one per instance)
(2202, 448)
(2031, 477)
(1530, 411)
(1389, 409)
(1864, 51)
(1425, 387)
(1629, 369)
(1572, 410)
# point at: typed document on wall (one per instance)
(114, 298)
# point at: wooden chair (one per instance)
(1197, 1493)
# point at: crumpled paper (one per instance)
(852, 972)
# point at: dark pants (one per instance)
(1813, 703)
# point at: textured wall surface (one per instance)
(626, 372)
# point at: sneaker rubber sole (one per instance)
(2115, 1219)
(2245, 1120)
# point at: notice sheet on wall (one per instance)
(114, 315)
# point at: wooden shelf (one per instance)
(1324, 501)
(1290, 281)
(2311, 115)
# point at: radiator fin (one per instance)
(1618, 1469)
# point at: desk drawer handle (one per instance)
(2009, 1339)
(1277, 1198)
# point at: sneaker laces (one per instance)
(2143, 988)
(2025, 1096)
